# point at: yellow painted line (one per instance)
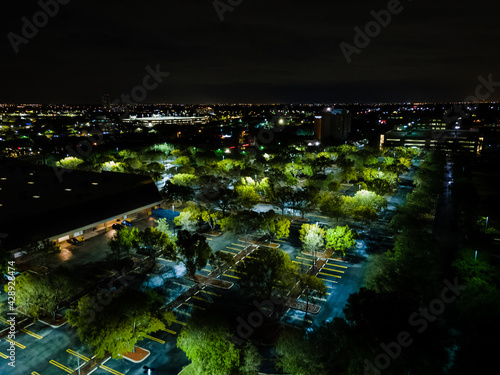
(211, 293)
(333, 270)
(16, 343)
(4, 356)
(234, 277)
(237, 244)
(201, 299)
(327, 274)
(224, 251)
(232, 269)
(308, 259)
(193, 305)
(183, 313)
(170, 331)
(154, 339)
(233, 248)
(209, 239)
(4, 320)
(106, 368)
(32, 334)
(336, 265)
(204, 269)
(35, 373)
(62, 367)
(78, 355)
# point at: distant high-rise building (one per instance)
(333, 124)
(105, 101)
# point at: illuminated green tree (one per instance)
(268, 268)
(312, 238)
(274, 225)
(69, 163)
(122, 242)
(206, 343)
(339, 238)
(123, 321)
(246, 196)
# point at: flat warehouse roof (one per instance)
(38, 202)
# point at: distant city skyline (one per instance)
(279, 52)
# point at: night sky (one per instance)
(262, 51)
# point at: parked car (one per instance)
(126, 223)
(117, 226)
(73, 241)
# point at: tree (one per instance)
(311, 286)
(219, 260)
(268, 268)
(281, 198)
(312, 238)
(368, 199)
(349, 174)
(185, 179)
(246, 196)
(69, 163)
(206, 343)
(211, 218)
(364, 214)
(155, 169)
(303, 199)
(125, 320)
(38, 295)
(156, 241)
(194, 251)
(340, 239)
(244, 222)
(297, 355)
(218, 196)
(332, 206)
(251, 359)
(274, 225)
(122, 242)
(188, 219)
(173, 192)
(163, 226)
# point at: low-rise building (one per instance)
(40, 202)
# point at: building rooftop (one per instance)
(38, 202)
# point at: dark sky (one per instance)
(263, 51)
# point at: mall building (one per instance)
(40, 202)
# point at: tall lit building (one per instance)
(333, 124)
(105, 101)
